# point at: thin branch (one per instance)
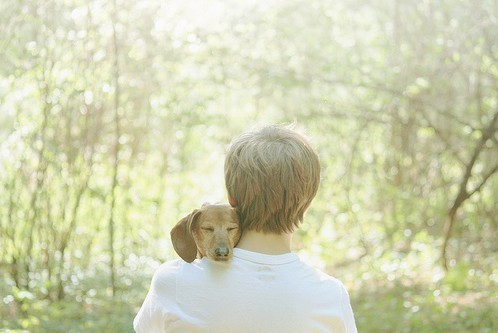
(484, 180)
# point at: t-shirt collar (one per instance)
(268, 259)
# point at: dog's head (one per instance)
(211, 231)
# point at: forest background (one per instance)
(115, 116)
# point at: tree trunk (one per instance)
(117, 127)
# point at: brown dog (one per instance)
(211, 231)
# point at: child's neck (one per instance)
(265, 243)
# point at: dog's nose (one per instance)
(222, 251)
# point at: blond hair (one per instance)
(273, 175)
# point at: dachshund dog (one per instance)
(211, 231)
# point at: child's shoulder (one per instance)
(165, 275)
(323, 277)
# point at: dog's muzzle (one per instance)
(222, 252)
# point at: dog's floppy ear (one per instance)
(182, 239)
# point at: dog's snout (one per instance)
(222, 251)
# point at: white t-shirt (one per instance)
(254, 292)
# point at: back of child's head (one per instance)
(272, 174)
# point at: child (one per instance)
(271, 175)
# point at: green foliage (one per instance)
(88, 306)
(419, 308)
(114, 118)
